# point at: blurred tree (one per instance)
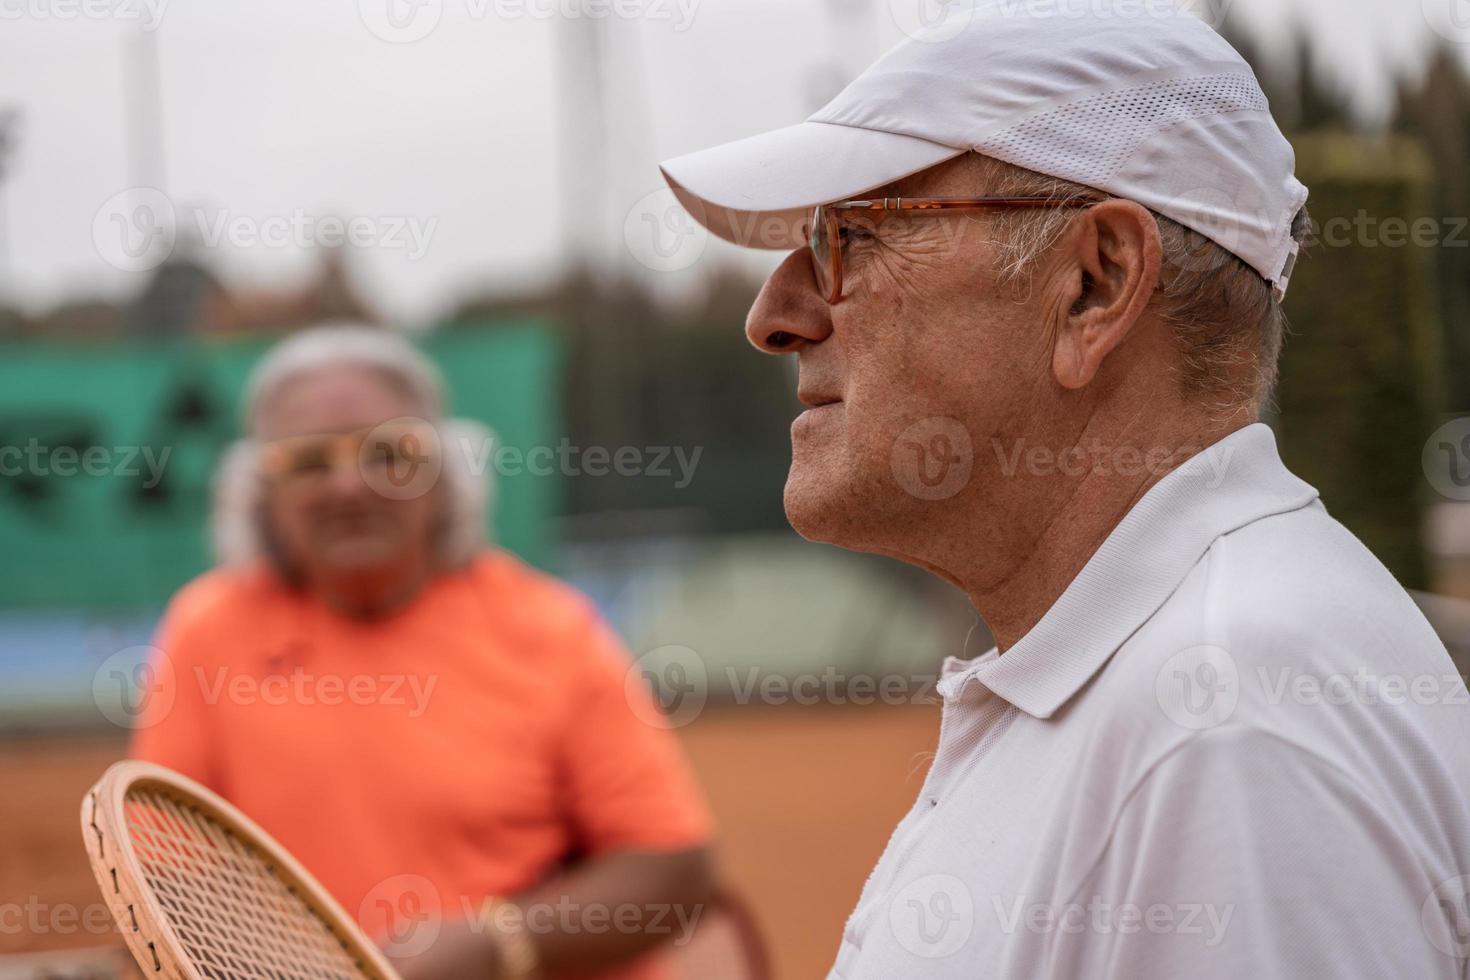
(1437, 113)
(169, 305)
(1360, 389)
(1381, 340)
(14, 325)
(83, 319)
(654, 376)
(1317, 107)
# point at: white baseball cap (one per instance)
(1138, 100)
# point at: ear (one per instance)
(1110, 264)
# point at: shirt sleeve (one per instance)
(173, 726)
(630, 786)
(1242, 855)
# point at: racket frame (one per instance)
(141, 918)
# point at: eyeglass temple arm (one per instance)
(957, 203)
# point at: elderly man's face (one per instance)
(925, 363)
(334, 524)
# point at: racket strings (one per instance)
(237, 918)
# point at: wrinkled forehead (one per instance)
(971, 174)
(964, 176)
(332, 399)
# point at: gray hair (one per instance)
(238, 524)
(1227, 324)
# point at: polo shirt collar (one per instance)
(1237, 481)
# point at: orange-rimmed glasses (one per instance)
(827, 227)
(300, 459)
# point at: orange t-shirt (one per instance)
(460, 748)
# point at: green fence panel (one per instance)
(107, 453)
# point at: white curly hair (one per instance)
(238, 522)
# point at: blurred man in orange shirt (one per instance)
(442, 735)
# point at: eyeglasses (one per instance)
(827, 228)
(302, 459)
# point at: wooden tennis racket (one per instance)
(200, 892)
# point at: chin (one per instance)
(830, 507)
(360, 555)
(805, 514)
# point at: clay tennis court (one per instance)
(805, 799)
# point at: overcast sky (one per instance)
(450, 141)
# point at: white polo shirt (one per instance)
(1232, 749)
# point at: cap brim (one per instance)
(759, 192)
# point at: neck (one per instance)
(371, 595)
(1051, 522)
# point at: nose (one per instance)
(347, 479)
(789, 314)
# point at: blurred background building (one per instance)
(181, 184)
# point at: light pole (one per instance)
(9, 137)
